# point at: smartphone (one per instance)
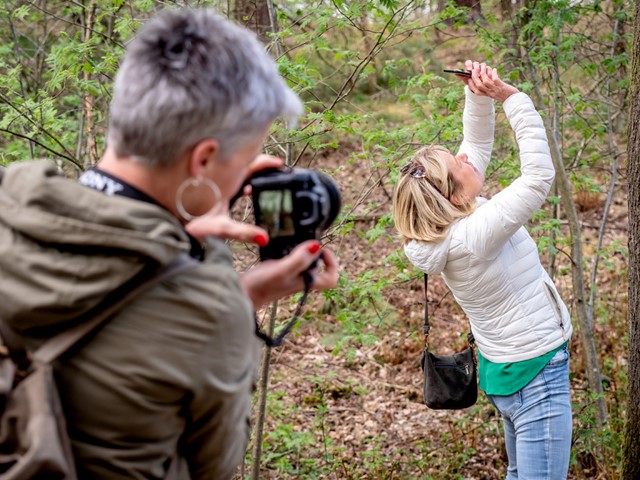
(464, 73)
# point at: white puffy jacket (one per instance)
(488, 259)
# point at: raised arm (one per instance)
(478, 121)
(494, 222)
(482, 88)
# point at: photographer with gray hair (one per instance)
(167, 382)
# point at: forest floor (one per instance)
(357, 412)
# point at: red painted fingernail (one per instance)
(314, 248)
(261, 239)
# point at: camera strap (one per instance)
(111, 185)
(277, 341)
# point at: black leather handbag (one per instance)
(450, 381)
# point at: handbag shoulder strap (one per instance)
(59, 344)
(426, 326)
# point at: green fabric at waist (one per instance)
(508, 378)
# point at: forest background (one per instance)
(341, 399)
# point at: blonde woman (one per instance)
(491, 264)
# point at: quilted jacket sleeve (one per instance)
(478, 120)
(494, 222)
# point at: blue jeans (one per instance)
(537, 424)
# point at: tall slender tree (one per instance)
(255, 15)
(631, 455)
(258, 15)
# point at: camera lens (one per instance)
(333, 193)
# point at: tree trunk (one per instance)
(631, 451)
(475, 9)
(506, 9)
(91, 148)
(256, 454)
(259, 15)
(585, 326)
(592, 369)
(254, 14)
(372, 85)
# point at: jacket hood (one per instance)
(430, 257)
(64, 247)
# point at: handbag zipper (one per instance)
(452, 365)
(445, 364)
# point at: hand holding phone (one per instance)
(463, 73)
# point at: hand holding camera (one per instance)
(292, 209)
(295, 207)
(274, 279)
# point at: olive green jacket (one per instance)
(173, 371)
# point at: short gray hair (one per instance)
(191, 75)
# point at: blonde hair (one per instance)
(422, 209)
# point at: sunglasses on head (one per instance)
(416, 171)
(419, 171)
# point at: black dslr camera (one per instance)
(292, 205)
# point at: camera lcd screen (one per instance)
(276, 207)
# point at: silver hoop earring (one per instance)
(192, 182)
